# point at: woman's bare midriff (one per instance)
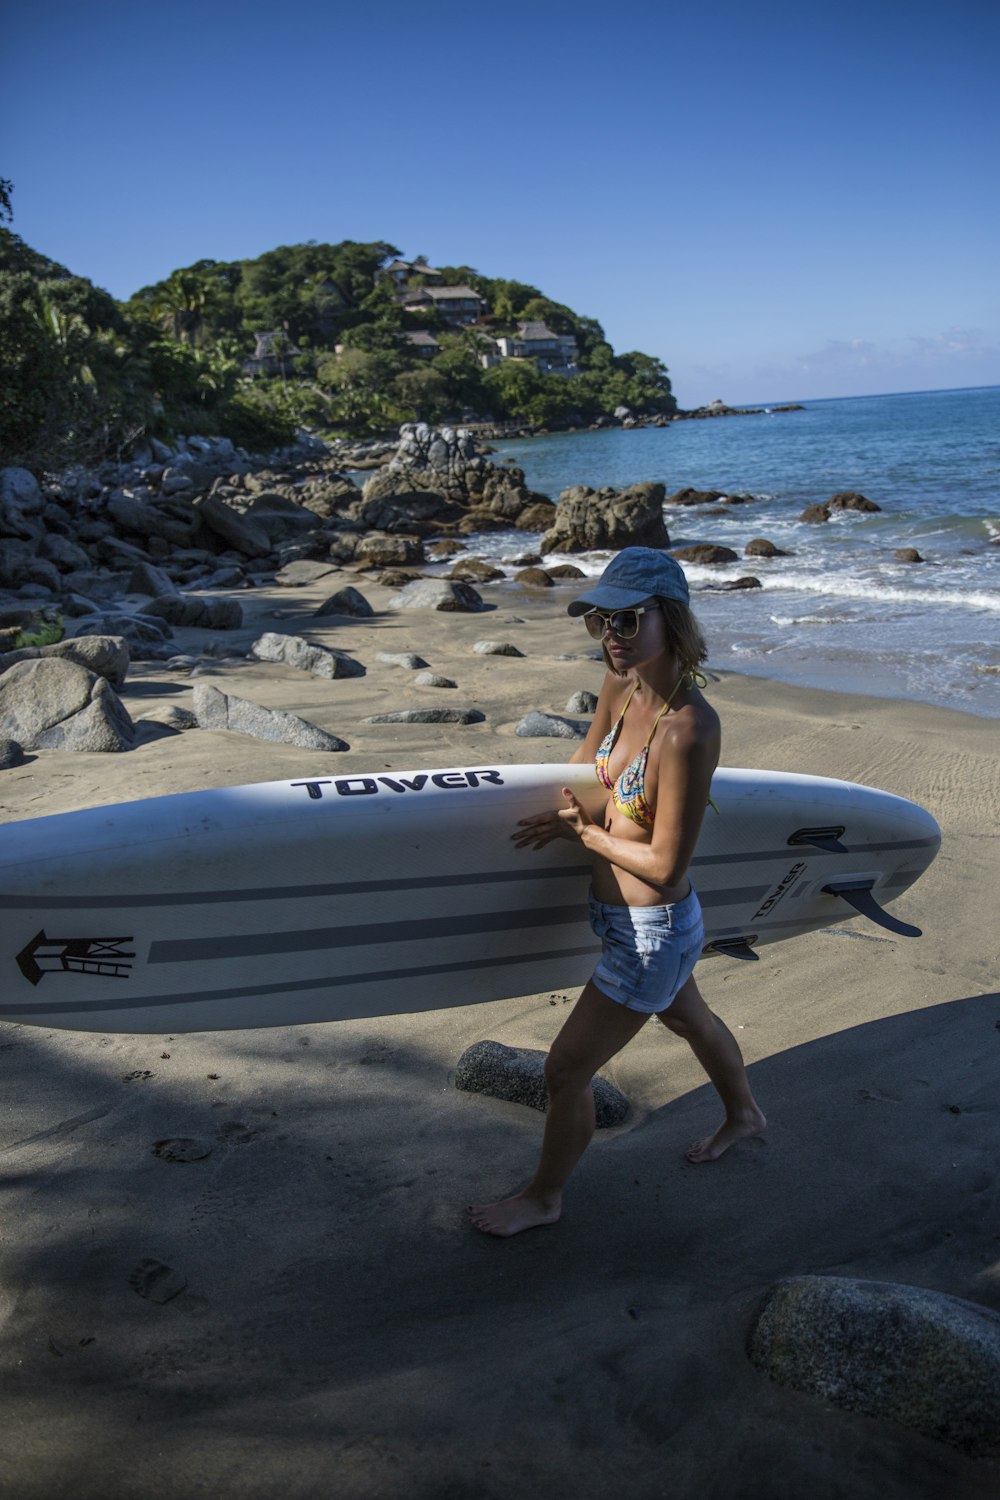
(617, 887)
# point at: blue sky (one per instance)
(780, 200)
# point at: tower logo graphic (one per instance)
(102, 956)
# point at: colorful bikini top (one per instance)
(629, 792)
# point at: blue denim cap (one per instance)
(636, 574)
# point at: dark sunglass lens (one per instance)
(625, 623)
(595, 624)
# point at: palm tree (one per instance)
(179, 304)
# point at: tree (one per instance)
(422, 393)
(34, 399)
(507, 299)
(459, 366)
(359, 382)
(458, 275)
(523, 393)
(543, 310)
(179, 303)
(6, 212)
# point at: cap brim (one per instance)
(608, 597)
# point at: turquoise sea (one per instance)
(838, 611)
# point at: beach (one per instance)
(340, 1330)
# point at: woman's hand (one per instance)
(564, 823)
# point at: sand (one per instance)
(341, 1332)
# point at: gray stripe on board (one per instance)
(358, 934)
(17, 901)
(376, 976)
(807, 851)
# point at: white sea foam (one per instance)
(930, 462)
(845, 586)
(784, 621)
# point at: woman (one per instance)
(655, 742)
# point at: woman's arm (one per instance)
(687, 761)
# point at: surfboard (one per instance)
(347, 896)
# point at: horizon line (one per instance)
(944, 390)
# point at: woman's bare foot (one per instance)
(711, 1147)
(511, 1215)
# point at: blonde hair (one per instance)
(684, 637)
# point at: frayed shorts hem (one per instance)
(647, 952)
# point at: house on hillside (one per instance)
(456, 304)
(423, 343)
(400, 271)
(273, 355)
(554, 353)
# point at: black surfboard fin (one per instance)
(734, 947)
(859, 895)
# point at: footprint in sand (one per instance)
(156, 1282)
(181, 1148)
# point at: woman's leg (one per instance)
(715, 1047)
(594, 1031)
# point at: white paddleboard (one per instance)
(364, 895)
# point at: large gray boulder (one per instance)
(920, 1358)
(20, 489)
(382, 551)
(20, 564)
(190, 612)
(64, 554)
(281, 518)
(21, 503)
(517, 1074)
(170, 523)
(706, 554)
(434, 474)
(609, 519)
(146, 578)
(293, 651)
(430, 716)
(218, 710)
(237, 531)
(851, 500)
(438, 593)
(302, 572)
(393, 502)
(327, 495)
(104, 655)
(143, 634)
(541, 726)
(53, 704)
(348, 602)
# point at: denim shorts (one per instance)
(647, 952)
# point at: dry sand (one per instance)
(342, 1333)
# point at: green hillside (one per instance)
(342, 339)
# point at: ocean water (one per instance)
(838, 611)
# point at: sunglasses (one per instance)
(624, 622)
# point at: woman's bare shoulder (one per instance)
(692, 729)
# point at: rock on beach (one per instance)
(913, 1356)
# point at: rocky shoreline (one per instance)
(99, 568)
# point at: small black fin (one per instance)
(860, 897)
(827, 839)
(734, 947)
